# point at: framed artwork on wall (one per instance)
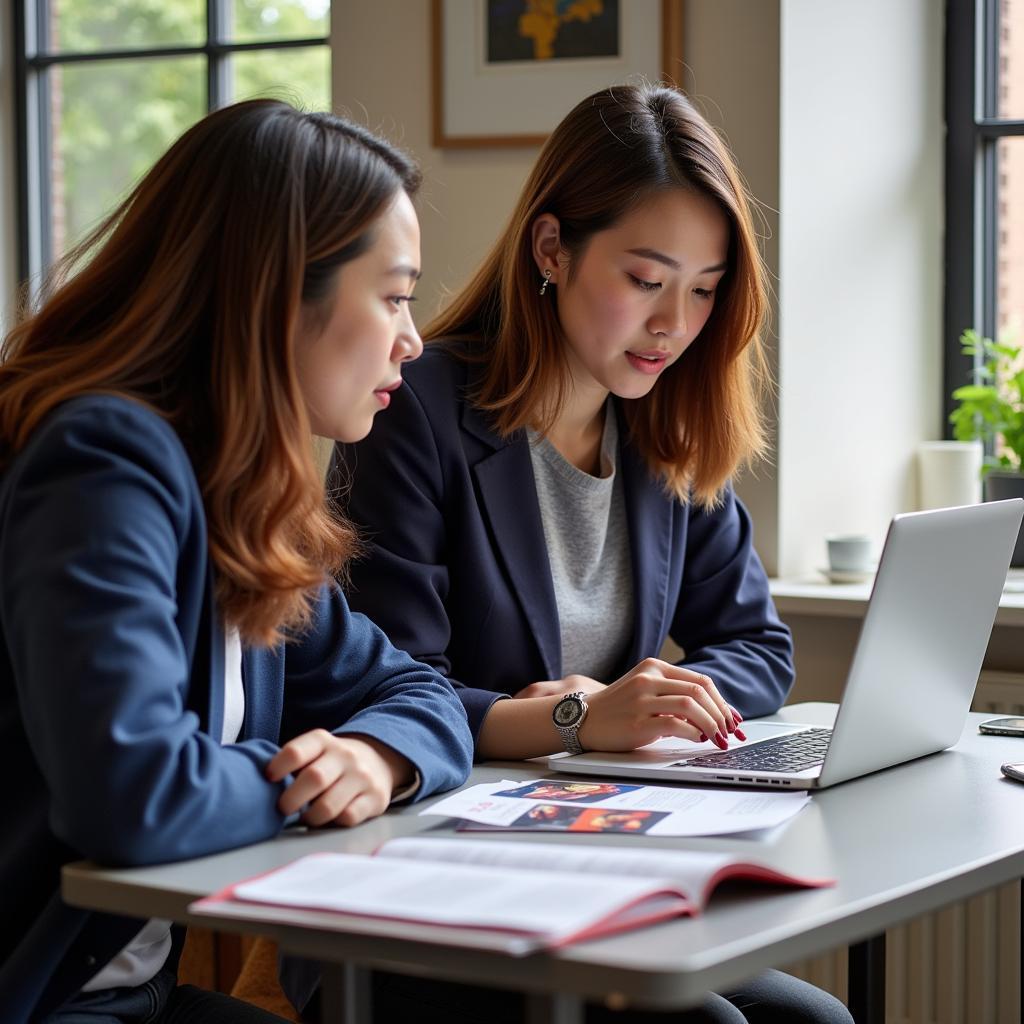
(505, 72)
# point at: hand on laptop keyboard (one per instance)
(655, 699)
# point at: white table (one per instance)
(902, 842)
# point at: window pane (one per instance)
(1010, 236)
(110, 122)
(278, 19)
(301, 76)
(87, 26)
(1010, 70)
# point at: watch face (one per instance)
(568, 711)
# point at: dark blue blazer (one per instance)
(111, 688)
(458, 575)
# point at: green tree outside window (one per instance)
(113, 118)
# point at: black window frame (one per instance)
(32, 61)
(973, 133)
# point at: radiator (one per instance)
(962, 964)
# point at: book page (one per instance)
(689, 871)
(550, 905)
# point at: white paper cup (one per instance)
(948, 473)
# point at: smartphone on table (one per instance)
(1003, 726)
(1012, 726)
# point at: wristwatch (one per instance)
(568, 715)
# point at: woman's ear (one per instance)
(547, 245)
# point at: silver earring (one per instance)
(547, 278)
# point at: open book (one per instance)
(512, 896)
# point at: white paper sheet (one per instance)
(595, 806)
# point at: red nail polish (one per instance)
(739, 734)
(703, 738)
(721, 740)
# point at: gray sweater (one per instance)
(587, 538)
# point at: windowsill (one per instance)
(811, 595)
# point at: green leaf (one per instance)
(975, 393)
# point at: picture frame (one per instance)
(479, 102)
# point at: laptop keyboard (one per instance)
(792, 753)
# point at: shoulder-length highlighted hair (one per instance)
(703, 419)
(188, 299)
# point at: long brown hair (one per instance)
(187, 298)
(616, 148)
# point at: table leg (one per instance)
(553, 1008)
(345, 995)
(866, 997)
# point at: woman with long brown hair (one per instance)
(180, 673)
(551, 498)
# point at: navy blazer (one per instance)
(112, 687)
(457, 571)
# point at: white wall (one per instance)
(8, 212)
(860, 263)
(731, 49)
(833, 111)
(381, 77)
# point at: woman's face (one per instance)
(351, 346)
(641, 292)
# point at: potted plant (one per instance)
(992, 410)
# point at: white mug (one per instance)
(849, 552)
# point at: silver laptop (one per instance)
(912, 677)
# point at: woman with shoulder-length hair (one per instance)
(174, 648)
(550, 498)
(589, 395)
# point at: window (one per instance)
(104, 88)
(984, 265)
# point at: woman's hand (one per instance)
(551, 687)
(343, 779)
(657, 699)
(651, 700)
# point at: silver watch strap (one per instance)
(570, 733)
(570, 740)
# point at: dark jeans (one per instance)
(160, 1001)
(770, 998)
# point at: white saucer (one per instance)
(1014, 582)
(847, 575)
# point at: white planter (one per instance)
(948, 473)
